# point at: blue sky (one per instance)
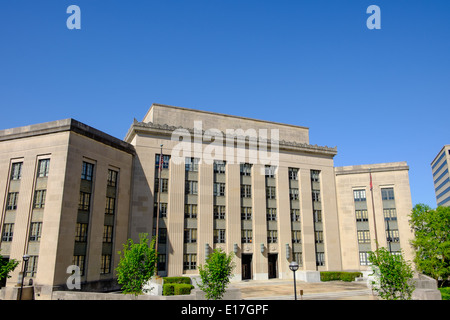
(378, 95)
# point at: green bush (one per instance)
(182, 288)
(339, 275)
(445, 292)
(185, 280)
(169, 289)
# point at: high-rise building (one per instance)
(441, 177)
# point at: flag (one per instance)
(161, 162)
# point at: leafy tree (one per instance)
(432, 240)
(137, 264)
(393, 275)
(6, 267)
(216, 274)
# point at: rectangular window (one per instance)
(35, 231)
(246, 236)
(364, 258)
(166, 161)
(297, 257)
(271, 193)
(246, 191)
(162, 262)
(293, 194)
(392, 236)
(31, 266)
(316, 195)
(112, 178)
(390, 214)
(219, 166)
(295, 214)
(272, 236)
(317, 215)
(219, 212)
(318, 236)
(84, 201)
(79, 261)
(190, 262)
(246, 169)
(315, 174)
(106, 264)
(162, 235)
(320, 258)
(271, 214)
(87, 171)
(16, 171)
(359, 195)
(164, 185)
(219, 189)
(8, 230)
(39, 199)
(387, 194)
(296, 237)
(246, 213)
(293, 174)
(191, 187)
(110, 205)
(219, 235)
(192, 164)
(364, 236)
(107, 234)
(43, 168)
(190, 235)
(11, 202)
(190, 211)
(270, 171)
(81, 232)
(362, 215)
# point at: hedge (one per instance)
(339, 275)
(185, 280)
(445, 292)
(171, 289)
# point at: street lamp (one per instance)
(294, 267)
(25, 260)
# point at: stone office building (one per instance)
(72, 195)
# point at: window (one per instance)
(39, 199)
(219, 189)
(296, 237)
(362, 215)
(8, 230)
(79, 261)
(359, 195)
(297, 257)
(110, 205)
(31, 266)
(387, 194)
(107, 234)
(320, 258)
(271, 214)
(246, 169)
(295, 214)
(246, 236)
(246, 213)
(164, 185)
(272, 236)
(163, 210)
(317, 215)
(190, 211)
(106, 264)
(315, 174)
(392, 236)
(162, 235)
(219, 166)
(318, 236)
(190, 235)
(219, 235)
(166, 161)
(270, 171)
(293, 194)
(87, 171)
(84, 202)
(162, 262)
(293, 174)
(192, 164)
(316, 195)
(390, 214)
(191, 187)
(271, 193)
(35, 231)
(43, 167)
(364, 236)
(190, 261)
(81, 232)
(219, 212)
(246, 191)
(11, 202)
(16, 171)
(364, 258)
(112, 178)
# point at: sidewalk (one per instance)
(278, 289)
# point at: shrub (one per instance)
(171, 289)
(445, 292)
(339, 275)
(185, 280)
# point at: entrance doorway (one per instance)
(272, 259)
(246, 266)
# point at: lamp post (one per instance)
(294, 267)
(25, 260)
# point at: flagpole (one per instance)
(161, 162)
(373, 209)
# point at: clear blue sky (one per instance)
(378, 95)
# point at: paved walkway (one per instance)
(278, 289)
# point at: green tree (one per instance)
(431, 228)
(137, 264)
(6, 267)
(393, 275)
(216, 274)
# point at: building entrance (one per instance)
(272, 259)
(246, 266)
